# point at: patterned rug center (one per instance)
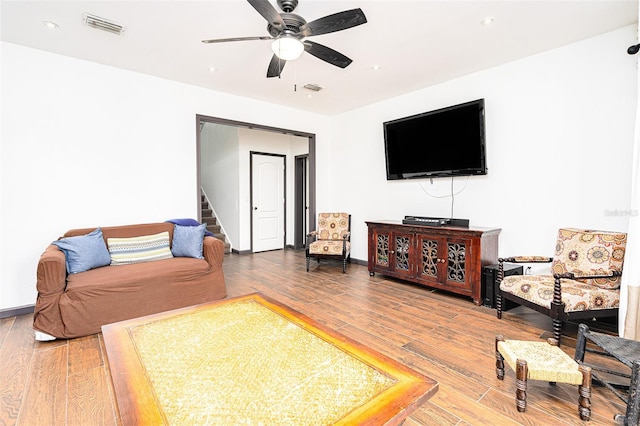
(243, 363)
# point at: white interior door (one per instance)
(267, 185)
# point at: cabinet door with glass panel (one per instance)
(394, 251)
(443, 260)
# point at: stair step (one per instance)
(207, 212)
(213, 229)
(204, 205)
(209, 220)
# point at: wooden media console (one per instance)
(444, 257)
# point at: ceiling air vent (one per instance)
(313, 87)
(102, 24)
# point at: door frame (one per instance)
(301, 216)
(284, 191)
(312, 157)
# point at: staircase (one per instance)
(212, 224)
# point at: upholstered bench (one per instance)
(543, 361)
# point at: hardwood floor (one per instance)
(446, 337)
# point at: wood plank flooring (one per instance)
(446, 337)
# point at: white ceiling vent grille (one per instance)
(312, 87)
(102, 24)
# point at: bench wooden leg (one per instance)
(521, 385)
(584, 390)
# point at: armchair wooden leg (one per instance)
(557, 330)
(308, 259)
(344, 265)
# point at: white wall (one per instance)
(559, 128)
(88, 145)
(219, 178)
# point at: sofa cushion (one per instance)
(134, 277)
(187, 241)
(146, 248)
(84, 252)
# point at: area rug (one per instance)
(252, 361)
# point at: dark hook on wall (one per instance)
(632, 50)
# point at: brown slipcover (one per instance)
(80, 304)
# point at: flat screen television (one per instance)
(445, 142)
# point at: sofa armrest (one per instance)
(51, 276)
(213, 251)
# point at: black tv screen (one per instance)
(445, 142)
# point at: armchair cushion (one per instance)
(332, 226)
(576, 295)
(587, 252)
(329, 247)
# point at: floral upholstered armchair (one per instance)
(332, 239)
(586, 269)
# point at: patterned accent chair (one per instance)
(586, 269)
(332, 239)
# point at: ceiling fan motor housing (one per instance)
(292, 23)
(288, 5)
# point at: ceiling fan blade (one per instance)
(275, 67)
(326, 54)
(224, 40)
(268, 12)
(332, 23)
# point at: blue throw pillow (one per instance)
(84, 252)
(187, 241)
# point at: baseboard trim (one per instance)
(359, 261)
(14, 312)
(234, 251)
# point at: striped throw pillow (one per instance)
(147, 248)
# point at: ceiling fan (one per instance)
(289, 31)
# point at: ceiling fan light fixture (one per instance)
(287, 48)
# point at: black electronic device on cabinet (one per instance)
(490, 284)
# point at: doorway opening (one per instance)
(240, 223)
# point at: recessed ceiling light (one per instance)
(375, 67)
(487, 21)
(309, 95)
(213, 69)
(50, 24)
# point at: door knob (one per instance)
(255, 208)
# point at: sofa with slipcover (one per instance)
(92, 277)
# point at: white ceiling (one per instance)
(415, 43)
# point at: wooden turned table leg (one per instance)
(584, 390)
(521, 385)
(499, 359)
